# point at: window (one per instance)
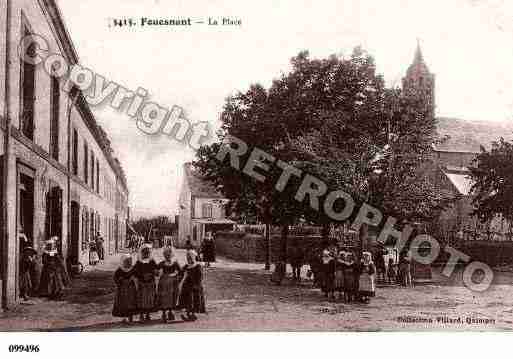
(75, 153)
(97, 176)
(86, 163)
(28, 74)
(92, 169)
(206, 210)
(54, 117)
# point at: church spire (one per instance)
(418, 53)
(419, 82)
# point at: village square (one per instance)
(323, 194)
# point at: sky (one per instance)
(465, 43)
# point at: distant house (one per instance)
(452, 175)
(201, 208)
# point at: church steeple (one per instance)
(419, 82)
(418, 53)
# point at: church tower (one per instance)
(419, 82)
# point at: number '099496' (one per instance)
(26, 348)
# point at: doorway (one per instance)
(74, 238)
(54, 215)
(24, 214)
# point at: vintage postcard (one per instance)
(292, 166)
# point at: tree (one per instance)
(492, 175)
(162, 223)
(331, 118)
(378, 151)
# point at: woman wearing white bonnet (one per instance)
(366, 283)
(167, 292)
(191, 296)
(125, 302)
(54, 276)
(146, 271)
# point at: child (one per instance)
(145, 271)
(125, 303)
(350, 283)
(191, 297)
(366, 284)
(328, 274)
(340, 265)
(168, 285)
(93, 254)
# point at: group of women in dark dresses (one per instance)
(340, 273)
(148, 287)
(54, 276)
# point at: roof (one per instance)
(455, 145)
(468, 136)
(199, 186)
(459, 178)
(214, 221)
(71, 54)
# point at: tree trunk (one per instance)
(267, 246)
(325, 233)
(363, 235)
(283, 242)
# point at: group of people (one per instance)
(340, 273)
(392, 272)
(147, 287)
(54, 275)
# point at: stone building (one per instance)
(59, 175)
(451, 160)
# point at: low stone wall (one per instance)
(491, 253)
(247, 247)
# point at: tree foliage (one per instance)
(332, 118)
(492, 175)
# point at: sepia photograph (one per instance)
(272, 166)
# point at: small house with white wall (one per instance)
(201, 208)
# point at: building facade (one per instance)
(58, 172)
(201, 208)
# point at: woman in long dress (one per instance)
(27, 268)
(191, 296)
(350, 278)
(208, 250)
(328, 274)
(340, 265)
(366, 283)
(146, 271)
(167, 292)
(54, 276)
(93, 254)
(125, 302)
(99, 247)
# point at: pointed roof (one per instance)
(199, 186)
(418, 66)
(418, 53)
